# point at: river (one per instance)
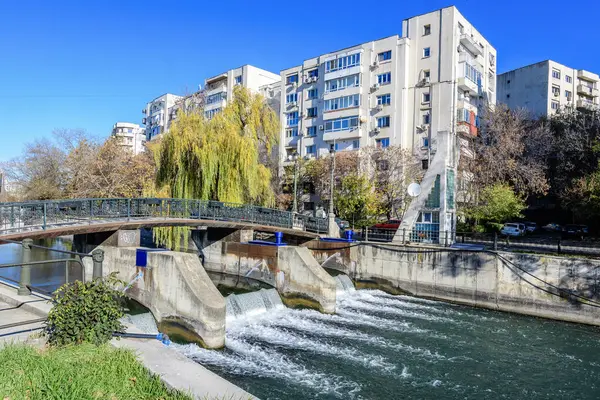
(379, 346)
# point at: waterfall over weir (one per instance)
(344, 284)
(255, 303)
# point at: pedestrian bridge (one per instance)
(51, 218)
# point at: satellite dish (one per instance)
(414, 189)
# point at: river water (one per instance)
(379, 346)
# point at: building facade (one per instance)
(420, 90)
(130, 136)
(545, 87)
(219, 88)
(159, 114)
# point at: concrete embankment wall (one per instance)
(176, 288)
(529, 284)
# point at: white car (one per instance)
(513, 229)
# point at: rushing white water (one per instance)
(344, 284)
(251, 304)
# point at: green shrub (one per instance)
(85, 312)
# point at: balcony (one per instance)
(587, 90)
(216, 88)
(470, 79)
(468, 85)
(588, 76)
(466, 122)
(586, 104)
(354, 133)
(471, 44)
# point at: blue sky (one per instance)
(80, 64)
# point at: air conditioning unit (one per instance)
(308, 80)
(295, 84)
(376, 129)
(379, 107)
(375, 86)
(423, 127)
(556, 94)
(426, 80)
(375, 63)
(314, 78)
(321, 127)
(292, 104)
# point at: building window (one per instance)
(555, 73)
(311, 112)
(356, 144)
(568, 94)
(461, 28)
(341, 124)
(215, 98)
(383, 143)
(310, 149)
(313, 93)
(383, 122)
(568, 79)
(384, 56)
(292, 118)
(426, 30)
(291, 98)
(426, 52)
(313, 73)
(334, 85)
(291, 79)
(342, 102)
(556, 91)
(425, 142)
(424, 164)
(342, 62)
(384, 99)
(311, 131)
(426, 97)
(384, 79)
(472, 73)
(508, 96)
(238, 80)
(426, 74)
(426, 118)
(293, 132)
(211, 113)
(555, 105)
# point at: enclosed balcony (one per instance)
(469, 80)
(587, 90)
(587, 104)
(471, 44)
(587, 75)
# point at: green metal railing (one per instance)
(42, 215)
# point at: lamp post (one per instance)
(332, 229)
(294, 157)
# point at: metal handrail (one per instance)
(41, 215)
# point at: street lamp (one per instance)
(294, 157)
(332, 231)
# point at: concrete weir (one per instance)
(176, 289)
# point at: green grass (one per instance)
(77, 373)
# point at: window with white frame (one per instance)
(426, 52)
(238, 80)
(383, 143)
(555, 105)
(311, 131)
(291, 79)
(311, 112)
(292, 132)
(568, 94)
(385, 78)
(211, 113)
(291, 98)
(555, 91)
(341, 124)
(313, 73)
(472, 73)
(383, 122)
(426, 98)
(292, 118)
(310, 149)
(384, 99)
(425, 141)
(426, 118)
(342, 102)
(342, 62)
(334, 85)
(215, 98)
(313, 93)
(568, 79)
(555, 73)
(356, 144)
(385, 56)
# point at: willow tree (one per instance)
(219, 159)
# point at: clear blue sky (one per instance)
(74, 64)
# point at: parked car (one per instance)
(552, 227)
(530, 226)
(574, 230)
(391, 224)
(342, 224)
(513, 229)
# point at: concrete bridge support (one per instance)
(176, 289)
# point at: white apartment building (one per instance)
(419, 90)
(159, 115)
(219, 88)
(130, 136)
(545, 87)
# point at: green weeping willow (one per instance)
(218, 159)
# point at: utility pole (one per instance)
(333, 230)
(295, 204)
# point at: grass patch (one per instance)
(78, 373)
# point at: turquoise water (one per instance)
(380, 346)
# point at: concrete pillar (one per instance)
(25, 280)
